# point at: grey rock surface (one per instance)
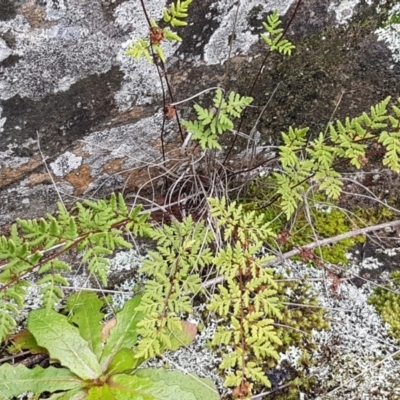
(70, 96)
(78, 117)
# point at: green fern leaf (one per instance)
(273, 37)
(139, 49)
(257, 374)
(229, 361)
(171, 36)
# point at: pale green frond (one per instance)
(139, 49)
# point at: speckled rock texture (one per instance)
(77, 113)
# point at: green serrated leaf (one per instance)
(124, 334)
(159, 384)
(85, 310)
(63, 342)
(20, 379)
(123, 361)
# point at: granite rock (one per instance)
(76, 113)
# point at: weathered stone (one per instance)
(69, 95)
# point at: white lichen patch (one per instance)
(390, 34)
(354, 358)
(5, 51)
(126, 141)
(55, 10)
(65, 163)
(8, 158)
(77, 46)
(2, 121)
(233, 22)
(391, 252)
(344, 9)
(127, 261)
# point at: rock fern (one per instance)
(173, 271)
(306, 162)
(213, 122)
(247, 302)
(273, 37)
(152, 45)
(95, 229)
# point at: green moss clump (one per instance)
(302, 314)
(374, 215)
(387, 304)
(324, 220)
(330, 224)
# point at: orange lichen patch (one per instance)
(114, 166)
(37, 179)
(12, 175)
(80, 179)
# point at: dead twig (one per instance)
(323, 242)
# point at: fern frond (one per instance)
(7, 320)
(290, 197)
(138, 49)
(257, 374)
(51, 292)
(148, 348)
(391, 141)
(273, 37)
(214, 122)
(177, 12)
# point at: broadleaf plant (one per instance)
(112, 373)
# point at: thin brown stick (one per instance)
(313, 245)
(258, 77)
(260, 396)
(331, 240)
